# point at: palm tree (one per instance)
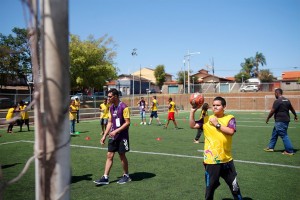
(247, 66)
(259, 59)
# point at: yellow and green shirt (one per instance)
(217, 145)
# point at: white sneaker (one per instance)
(141, 123)
(145, 123)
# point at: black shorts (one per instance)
(153, 114)
(227, 171)
(120, 146)
(26, 121)
(103, 121)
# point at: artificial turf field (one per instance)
(169, 168)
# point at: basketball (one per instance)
(196, 100)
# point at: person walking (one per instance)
(72, 116)
(142, 106)
(153, 109)
(118, 132)
(9, 118)
(104, 109)
(280, 110)
(203, 113)
(24, 115)
(171, 113)
(77, 105)
(218, 161)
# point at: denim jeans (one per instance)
(280, 129)
(72, 126)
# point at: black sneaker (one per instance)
(124, 179)
(102, 181)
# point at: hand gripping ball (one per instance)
(196, 100)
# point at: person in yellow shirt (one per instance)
(77, 105)
(218, 162)
(24, 115)
(104, 110)
(153, 108)
(171, 113)
(9, 116)
(72, 116)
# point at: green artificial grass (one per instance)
(169, 168)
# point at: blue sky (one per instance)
(163, 31)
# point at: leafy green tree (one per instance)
(266, 76)
(242, 76)
(160, 75)
(15, 56)
(181, 77)
(259, 60)
(91, 62)
(247, 66)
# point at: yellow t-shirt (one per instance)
(105, 110)
(154, 103)
(77, 104)
(24, 114)
(72, 112)
(172, 108)
(217, 145)
(10, 113)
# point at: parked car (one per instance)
(5, 103)
(152, 91)
(78, 95)
(249, 88)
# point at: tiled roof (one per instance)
(290, 75)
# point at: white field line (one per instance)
(173, 155)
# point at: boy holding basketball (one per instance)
(218, 162)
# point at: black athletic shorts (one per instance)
(120, 146)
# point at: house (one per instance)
(148, 74)
(290, 80)
(202, 76)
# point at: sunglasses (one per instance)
(109, 97)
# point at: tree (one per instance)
(266, 76)
(247, 66)
(15, 57)
(160, 75)
(259, 59)
(182, 76)
(91, 62)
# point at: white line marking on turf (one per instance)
(168, 154)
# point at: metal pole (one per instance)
(189, 89)
(54, 149)
(184, 75)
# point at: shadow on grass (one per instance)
(9, 165)
(139, 176)
(86, 177)
(244, 198)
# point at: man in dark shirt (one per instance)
(280, 110)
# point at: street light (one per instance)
(242, 79)
(188, 55)
(193, 84)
